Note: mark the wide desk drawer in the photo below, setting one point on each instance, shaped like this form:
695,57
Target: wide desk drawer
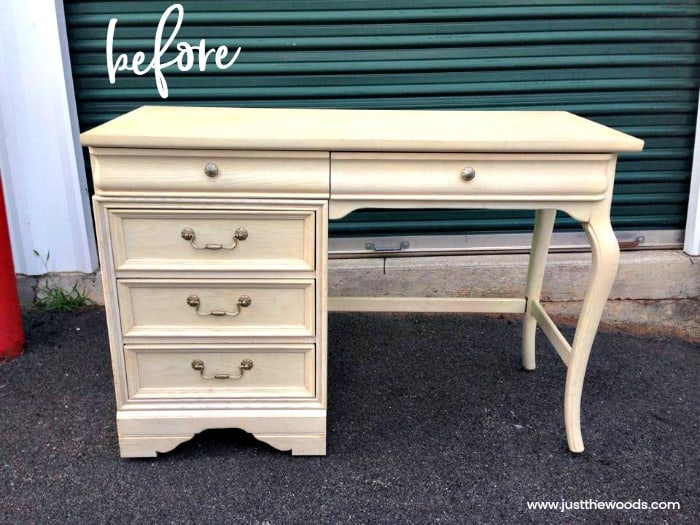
293,174
201,308
184,239
220,372
469,177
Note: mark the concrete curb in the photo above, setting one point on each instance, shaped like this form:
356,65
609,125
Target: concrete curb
657,289
642,275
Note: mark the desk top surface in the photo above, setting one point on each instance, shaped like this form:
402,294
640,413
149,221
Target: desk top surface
359,130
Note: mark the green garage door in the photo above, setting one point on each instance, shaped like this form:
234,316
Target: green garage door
632,65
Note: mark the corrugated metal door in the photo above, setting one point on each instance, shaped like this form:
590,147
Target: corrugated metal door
630,65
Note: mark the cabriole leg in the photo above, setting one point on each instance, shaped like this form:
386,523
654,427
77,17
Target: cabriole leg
606,255
544,222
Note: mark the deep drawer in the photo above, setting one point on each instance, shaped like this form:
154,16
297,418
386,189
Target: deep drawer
201,308
295,174
220,372
182,239
454,177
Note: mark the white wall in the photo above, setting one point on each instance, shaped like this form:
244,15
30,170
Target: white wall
42,167
692,225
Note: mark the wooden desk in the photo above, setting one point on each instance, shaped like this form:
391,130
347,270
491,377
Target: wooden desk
212,228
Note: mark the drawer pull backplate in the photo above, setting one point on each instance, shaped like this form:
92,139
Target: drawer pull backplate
246,364
243,302
187,233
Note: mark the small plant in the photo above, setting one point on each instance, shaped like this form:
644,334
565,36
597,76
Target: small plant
52,297
57,299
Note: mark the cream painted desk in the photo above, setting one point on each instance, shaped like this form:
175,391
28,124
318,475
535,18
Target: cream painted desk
212,230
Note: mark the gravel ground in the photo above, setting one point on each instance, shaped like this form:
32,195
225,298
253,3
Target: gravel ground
431,420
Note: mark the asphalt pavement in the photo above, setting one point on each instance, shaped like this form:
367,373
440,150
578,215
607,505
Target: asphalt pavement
431,419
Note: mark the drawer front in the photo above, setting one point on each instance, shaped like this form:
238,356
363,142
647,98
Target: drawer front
220,372
216,308
295,174
212,240
372,176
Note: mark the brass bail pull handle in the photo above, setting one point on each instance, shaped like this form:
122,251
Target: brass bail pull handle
198,365
241,234
244,301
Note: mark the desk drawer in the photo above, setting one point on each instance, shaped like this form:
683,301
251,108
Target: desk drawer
294,174
177,239
216,308
425,177
219,372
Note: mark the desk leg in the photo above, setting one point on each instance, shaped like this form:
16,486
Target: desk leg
544,222
606,255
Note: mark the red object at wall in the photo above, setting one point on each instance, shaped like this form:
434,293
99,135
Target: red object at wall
11,330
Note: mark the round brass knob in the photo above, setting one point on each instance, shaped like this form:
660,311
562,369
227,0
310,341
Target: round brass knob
468,173
211,170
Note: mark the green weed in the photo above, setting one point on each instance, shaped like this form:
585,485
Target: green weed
52,297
